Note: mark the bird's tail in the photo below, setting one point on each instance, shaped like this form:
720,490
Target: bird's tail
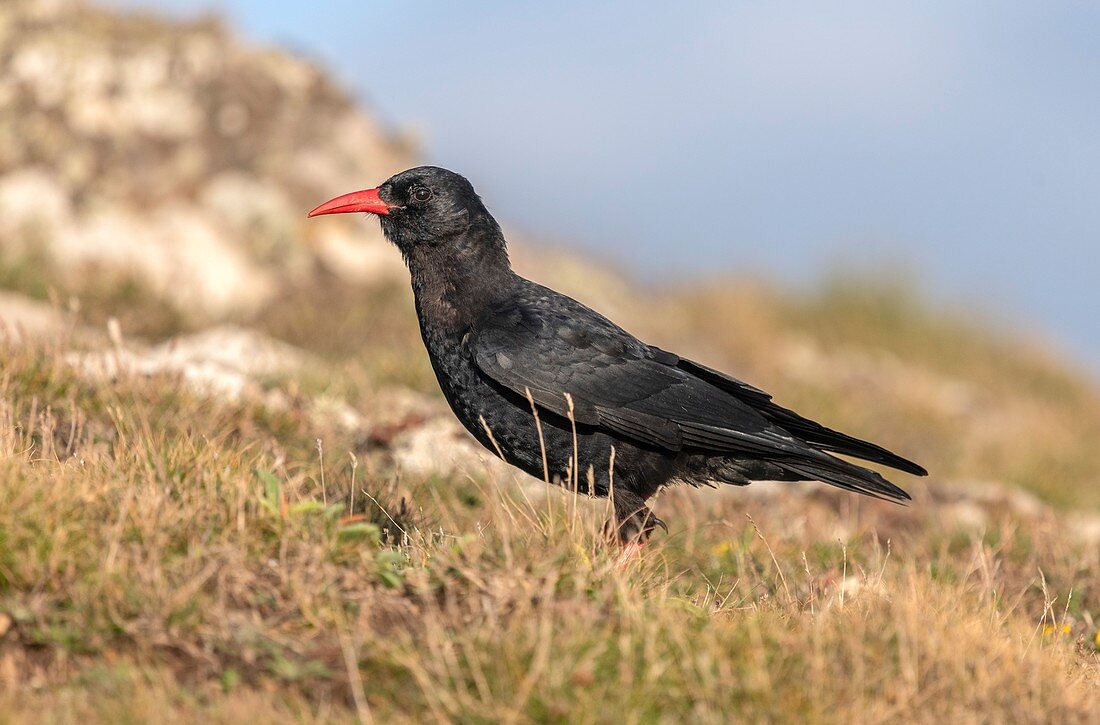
847,476
822,467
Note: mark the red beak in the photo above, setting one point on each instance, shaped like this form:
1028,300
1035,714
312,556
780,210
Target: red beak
367,201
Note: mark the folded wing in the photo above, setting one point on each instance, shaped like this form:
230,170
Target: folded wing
579,365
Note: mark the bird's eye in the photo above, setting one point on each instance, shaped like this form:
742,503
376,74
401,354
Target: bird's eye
422,193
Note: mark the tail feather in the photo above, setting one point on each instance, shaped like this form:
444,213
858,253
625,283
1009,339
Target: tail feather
809,431
827,439
849,477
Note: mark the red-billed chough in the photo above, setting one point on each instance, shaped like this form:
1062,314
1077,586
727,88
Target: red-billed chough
566,395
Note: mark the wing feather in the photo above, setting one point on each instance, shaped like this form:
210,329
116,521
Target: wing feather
812,432
577,364
617,383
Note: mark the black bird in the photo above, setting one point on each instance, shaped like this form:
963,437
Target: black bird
566,395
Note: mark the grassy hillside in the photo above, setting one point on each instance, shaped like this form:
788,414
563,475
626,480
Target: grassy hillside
168,547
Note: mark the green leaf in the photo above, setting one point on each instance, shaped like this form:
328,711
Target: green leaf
307,507
230,679
360,531
271,489
391,579
389,567
689,607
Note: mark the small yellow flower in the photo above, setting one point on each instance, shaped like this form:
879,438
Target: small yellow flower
1049,629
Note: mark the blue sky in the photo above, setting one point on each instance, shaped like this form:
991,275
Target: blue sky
961,139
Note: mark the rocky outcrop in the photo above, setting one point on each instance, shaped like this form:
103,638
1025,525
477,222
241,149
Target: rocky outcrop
174,153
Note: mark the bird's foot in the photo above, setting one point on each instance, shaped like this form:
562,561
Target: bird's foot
635,528
633,547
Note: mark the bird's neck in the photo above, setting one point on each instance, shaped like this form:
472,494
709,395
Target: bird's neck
456,280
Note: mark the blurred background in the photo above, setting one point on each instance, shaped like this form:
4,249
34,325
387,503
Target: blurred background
957,141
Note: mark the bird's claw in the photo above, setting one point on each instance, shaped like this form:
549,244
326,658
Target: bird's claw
655,522
636,528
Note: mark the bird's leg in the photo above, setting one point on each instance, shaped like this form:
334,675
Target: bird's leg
633,522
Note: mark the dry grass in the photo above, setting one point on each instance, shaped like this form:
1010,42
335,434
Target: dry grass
164,556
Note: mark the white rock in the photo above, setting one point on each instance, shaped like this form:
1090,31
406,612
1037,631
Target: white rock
441,445
364,256
32,198
22,317
227,361
244,203
175,251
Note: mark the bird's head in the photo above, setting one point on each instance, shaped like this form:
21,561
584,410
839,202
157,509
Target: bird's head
422,206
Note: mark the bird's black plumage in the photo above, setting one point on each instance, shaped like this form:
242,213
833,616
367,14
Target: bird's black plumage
564,394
